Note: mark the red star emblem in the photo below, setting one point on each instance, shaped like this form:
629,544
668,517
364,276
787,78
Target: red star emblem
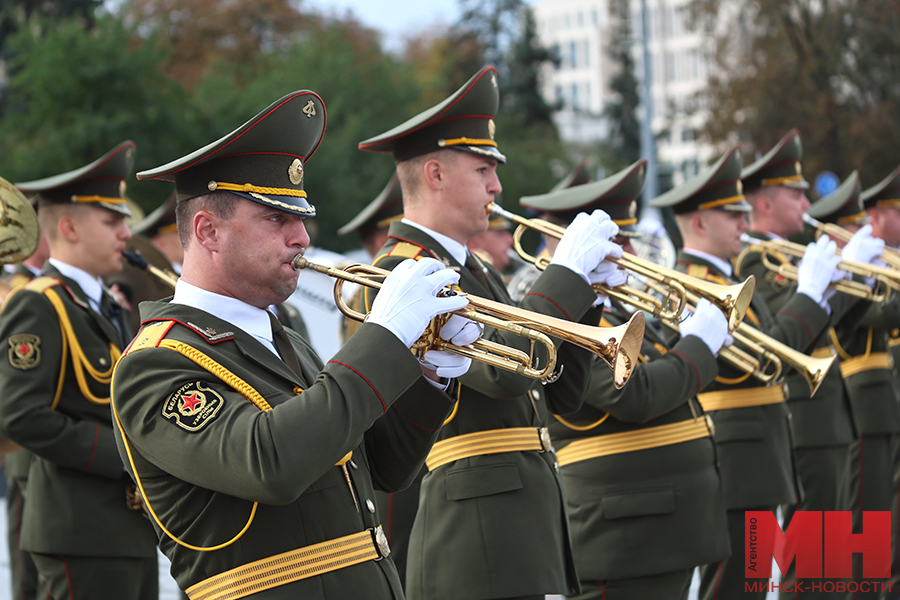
24,349
190,402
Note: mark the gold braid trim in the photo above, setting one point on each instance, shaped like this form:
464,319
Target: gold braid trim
464,141
249,187
721,202
103,199
780,180
79,360
581,427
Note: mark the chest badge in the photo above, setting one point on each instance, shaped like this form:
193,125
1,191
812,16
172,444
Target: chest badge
24,351
193,406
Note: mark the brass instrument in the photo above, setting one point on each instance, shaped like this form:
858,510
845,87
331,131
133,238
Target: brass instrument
836,232
887,280
137,260
20,233
774,353
619,347
733,300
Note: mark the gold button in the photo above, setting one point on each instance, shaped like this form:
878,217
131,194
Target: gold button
102,361
298,390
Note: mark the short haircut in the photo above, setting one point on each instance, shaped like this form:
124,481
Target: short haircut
220,203
409,172
50,214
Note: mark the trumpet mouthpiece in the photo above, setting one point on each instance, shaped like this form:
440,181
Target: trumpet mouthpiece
298,262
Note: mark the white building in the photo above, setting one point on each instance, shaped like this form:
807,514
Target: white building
580,31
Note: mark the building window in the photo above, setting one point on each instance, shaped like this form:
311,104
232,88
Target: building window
574,96
688,135
587,96
555,50
573,55
560,99
594,19
586,54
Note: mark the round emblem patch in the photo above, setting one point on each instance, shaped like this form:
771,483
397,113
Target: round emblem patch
295,172
492,128
24,351
193,406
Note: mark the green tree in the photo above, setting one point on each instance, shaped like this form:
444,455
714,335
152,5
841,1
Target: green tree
621,114
523,99
74,94
830,68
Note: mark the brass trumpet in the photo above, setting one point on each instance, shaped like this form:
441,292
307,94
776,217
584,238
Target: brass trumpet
733,300
137,260
836,232
887,280
619,346
773,353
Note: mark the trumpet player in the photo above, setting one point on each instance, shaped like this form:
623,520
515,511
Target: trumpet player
823,428
882,202
861,340
752,427
644,497
257,463
489,525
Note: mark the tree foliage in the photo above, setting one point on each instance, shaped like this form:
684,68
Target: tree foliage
621,114
831,68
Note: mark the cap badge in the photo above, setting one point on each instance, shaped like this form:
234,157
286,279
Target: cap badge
295,171
740,187
797,166
632,210
122,186
493,80
310,109
492,128
129,153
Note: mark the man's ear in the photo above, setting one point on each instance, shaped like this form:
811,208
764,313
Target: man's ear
205,227
68,228
698,223
764,205
433,173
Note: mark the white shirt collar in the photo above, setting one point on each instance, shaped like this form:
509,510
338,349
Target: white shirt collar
723,265
251,319
453,248
91,286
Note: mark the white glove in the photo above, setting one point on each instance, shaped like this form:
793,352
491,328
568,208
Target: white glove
816,269
459,331
586,243
708,323
608,274
406,302
862,247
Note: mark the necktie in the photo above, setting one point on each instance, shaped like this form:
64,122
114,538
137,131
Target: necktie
475,268
283,344
113,313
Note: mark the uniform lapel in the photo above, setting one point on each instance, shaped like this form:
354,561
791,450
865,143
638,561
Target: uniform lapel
262,356
109,330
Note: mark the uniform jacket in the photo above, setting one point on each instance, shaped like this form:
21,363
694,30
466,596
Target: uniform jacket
17,463
202,475
826,418
76,484
494,526
650,511
872,393
754,443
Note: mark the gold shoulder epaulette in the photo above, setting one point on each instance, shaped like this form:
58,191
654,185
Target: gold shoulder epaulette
18,280
150,336
405,250
42,284
697,271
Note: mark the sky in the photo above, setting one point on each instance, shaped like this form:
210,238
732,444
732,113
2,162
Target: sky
396,18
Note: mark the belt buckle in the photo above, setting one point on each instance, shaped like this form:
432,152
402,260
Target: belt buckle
546,443
381,543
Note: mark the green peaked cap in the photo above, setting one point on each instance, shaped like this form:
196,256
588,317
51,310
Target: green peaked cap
884,193
162,218
717,187
577,176
379,213
844,206
780,166
101,183
616,194
464,121
263,160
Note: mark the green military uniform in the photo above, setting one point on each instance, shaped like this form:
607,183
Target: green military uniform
752,422
644,497
276,466
886,193
54,390
499,516
16,464
861,340
824,432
